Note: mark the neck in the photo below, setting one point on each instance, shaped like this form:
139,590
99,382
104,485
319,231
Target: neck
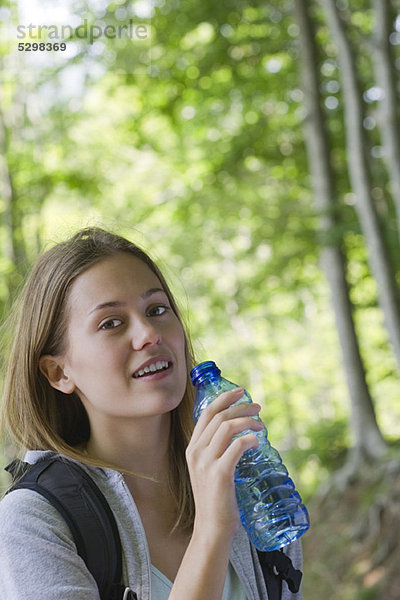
139,446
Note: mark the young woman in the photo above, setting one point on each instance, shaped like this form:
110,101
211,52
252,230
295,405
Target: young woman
99,373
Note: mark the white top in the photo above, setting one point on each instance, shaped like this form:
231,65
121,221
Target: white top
161,586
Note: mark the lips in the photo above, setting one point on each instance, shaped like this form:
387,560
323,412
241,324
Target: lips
153,365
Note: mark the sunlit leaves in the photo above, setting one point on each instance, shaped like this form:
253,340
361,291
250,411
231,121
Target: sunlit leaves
202,161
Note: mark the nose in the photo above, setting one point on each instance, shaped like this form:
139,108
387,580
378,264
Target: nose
144,333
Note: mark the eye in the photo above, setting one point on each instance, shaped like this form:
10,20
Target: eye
157,311
110,324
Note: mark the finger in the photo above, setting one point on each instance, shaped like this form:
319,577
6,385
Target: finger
213,420
223,401
235,451
223,437
229,419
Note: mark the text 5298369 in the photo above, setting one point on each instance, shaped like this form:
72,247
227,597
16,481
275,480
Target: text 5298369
41,47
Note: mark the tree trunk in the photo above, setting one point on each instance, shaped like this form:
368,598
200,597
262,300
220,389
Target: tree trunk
388,109
379,259
368,440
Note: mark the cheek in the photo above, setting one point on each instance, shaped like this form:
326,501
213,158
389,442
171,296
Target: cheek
172,331
86,358
182,356
181,343
177,340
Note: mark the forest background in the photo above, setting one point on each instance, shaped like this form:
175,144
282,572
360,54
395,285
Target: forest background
253,148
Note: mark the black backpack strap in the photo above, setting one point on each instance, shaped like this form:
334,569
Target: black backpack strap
276,567
87,513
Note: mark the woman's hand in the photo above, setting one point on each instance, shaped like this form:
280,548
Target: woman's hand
212,457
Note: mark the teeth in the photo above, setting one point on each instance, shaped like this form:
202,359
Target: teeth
157,366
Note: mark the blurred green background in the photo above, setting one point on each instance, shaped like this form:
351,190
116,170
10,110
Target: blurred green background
190,140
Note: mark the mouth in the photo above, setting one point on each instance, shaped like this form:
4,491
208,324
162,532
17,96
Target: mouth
154,367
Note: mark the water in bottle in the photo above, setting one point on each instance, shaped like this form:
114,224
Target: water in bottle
271,510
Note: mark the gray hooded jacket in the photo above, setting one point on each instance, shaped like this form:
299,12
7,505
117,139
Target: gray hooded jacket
38,557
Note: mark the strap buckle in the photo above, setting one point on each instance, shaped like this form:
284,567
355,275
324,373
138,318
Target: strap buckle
129,594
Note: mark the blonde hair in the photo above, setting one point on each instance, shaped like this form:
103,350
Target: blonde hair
41,418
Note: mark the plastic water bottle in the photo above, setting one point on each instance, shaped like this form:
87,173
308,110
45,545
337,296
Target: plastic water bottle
270,508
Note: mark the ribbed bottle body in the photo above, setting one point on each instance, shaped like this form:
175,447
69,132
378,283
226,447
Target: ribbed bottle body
271,510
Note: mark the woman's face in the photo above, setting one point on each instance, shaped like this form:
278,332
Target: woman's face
125,352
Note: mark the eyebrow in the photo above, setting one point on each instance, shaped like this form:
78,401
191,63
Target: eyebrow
117,303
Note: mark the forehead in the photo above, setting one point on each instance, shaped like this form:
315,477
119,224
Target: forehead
119,276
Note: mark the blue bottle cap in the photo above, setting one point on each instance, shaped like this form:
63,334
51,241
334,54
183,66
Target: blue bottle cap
204,370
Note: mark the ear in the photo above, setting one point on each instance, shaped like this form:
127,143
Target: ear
52,368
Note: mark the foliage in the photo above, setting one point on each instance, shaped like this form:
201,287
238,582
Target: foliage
200,158
203,161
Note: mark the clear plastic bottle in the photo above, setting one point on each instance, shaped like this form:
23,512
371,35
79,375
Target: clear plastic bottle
271,510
